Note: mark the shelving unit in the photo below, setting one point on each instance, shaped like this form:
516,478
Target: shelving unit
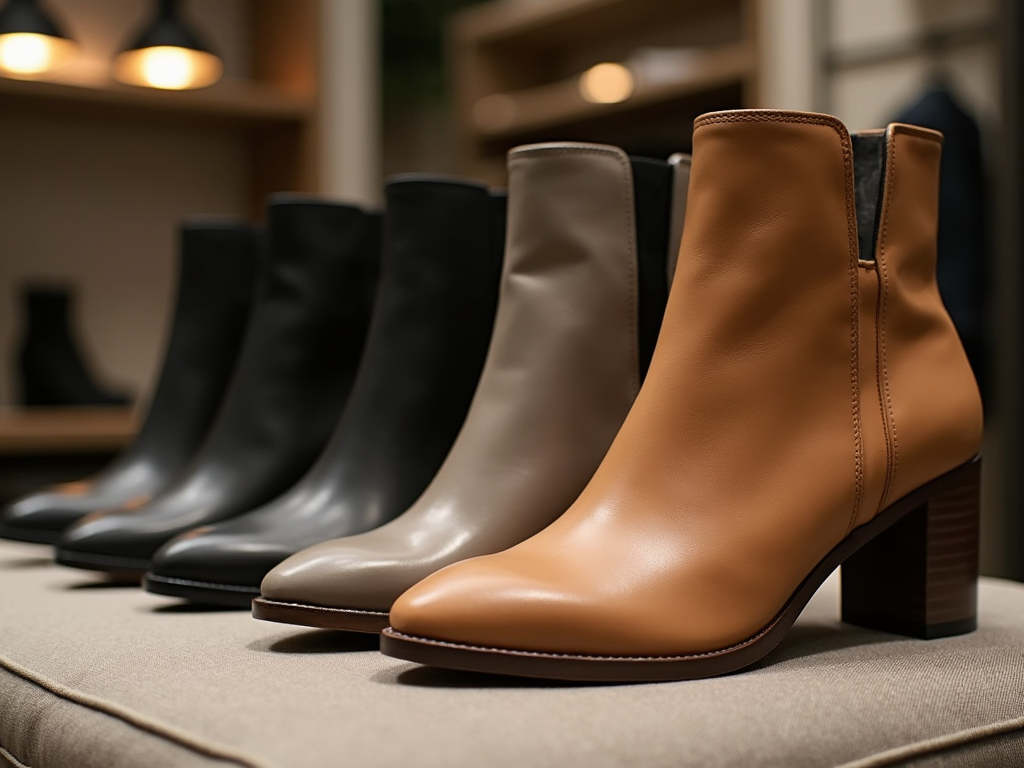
97,176
517,65
242,104
276,109
65,430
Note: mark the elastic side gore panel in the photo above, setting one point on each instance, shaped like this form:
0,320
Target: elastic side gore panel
868,178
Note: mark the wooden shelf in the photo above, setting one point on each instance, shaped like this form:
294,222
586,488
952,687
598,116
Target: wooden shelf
239,103
517,67
25,431
551,22
561,103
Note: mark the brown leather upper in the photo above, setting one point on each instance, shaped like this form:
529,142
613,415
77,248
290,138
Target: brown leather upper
775,412
561,374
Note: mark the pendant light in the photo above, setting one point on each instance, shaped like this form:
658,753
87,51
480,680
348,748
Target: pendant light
31,44
168,55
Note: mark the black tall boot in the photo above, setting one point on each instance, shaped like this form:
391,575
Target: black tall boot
296,368
216,286
53,370
443,242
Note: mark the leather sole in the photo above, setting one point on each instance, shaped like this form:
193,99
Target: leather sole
127,567
29,535
947,512
319,616
204,593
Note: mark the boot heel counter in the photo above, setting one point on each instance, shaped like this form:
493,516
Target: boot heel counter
931,401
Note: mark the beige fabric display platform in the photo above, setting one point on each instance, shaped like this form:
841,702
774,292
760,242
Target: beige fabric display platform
110,676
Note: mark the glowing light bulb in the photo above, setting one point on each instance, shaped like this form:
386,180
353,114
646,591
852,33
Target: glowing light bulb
25,53
606,83
28,53
168,67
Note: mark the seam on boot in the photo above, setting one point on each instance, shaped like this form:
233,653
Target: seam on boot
884,393
851,233
776,116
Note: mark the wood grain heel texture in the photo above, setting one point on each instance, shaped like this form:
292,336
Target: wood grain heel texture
919,578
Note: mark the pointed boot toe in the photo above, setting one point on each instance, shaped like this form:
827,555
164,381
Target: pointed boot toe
334,585
105,541
41,517
213,567
492,602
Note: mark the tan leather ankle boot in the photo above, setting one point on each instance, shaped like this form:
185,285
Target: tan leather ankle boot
805,401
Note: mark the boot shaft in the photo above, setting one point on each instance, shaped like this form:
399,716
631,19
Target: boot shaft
583,291
810,257
308,327
590,207
431,325
440,235
219,274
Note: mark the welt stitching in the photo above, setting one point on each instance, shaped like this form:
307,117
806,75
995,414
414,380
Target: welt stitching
772,116
324,608
884,391
588,656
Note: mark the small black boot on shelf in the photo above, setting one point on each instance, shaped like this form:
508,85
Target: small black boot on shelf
52,368
217,278
441,268
293,376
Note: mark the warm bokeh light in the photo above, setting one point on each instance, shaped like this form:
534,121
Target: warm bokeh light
606,83
24,54
168,67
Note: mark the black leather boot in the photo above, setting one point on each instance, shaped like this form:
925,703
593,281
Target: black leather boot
53,370
217,278
294,374
443,242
